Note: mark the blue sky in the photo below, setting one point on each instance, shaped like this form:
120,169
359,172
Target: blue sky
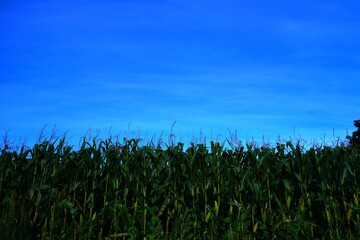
260,69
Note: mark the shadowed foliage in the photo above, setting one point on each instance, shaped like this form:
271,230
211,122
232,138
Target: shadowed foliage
355,138
113,190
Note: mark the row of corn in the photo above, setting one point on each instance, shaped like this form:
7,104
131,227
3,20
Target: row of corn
112,190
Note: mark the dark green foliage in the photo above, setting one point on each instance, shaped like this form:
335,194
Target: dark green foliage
109,190
355,138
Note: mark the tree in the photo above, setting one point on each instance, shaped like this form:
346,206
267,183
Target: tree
355,138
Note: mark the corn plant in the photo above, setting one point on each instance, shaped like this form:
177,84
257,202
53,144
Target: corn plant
129,190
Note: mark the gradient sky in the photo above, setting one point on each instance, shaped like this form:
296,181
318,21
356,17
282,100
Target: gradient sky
260,69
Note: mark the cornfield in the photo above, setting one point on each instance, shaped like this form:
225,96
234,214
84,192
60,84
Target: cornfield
112,190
